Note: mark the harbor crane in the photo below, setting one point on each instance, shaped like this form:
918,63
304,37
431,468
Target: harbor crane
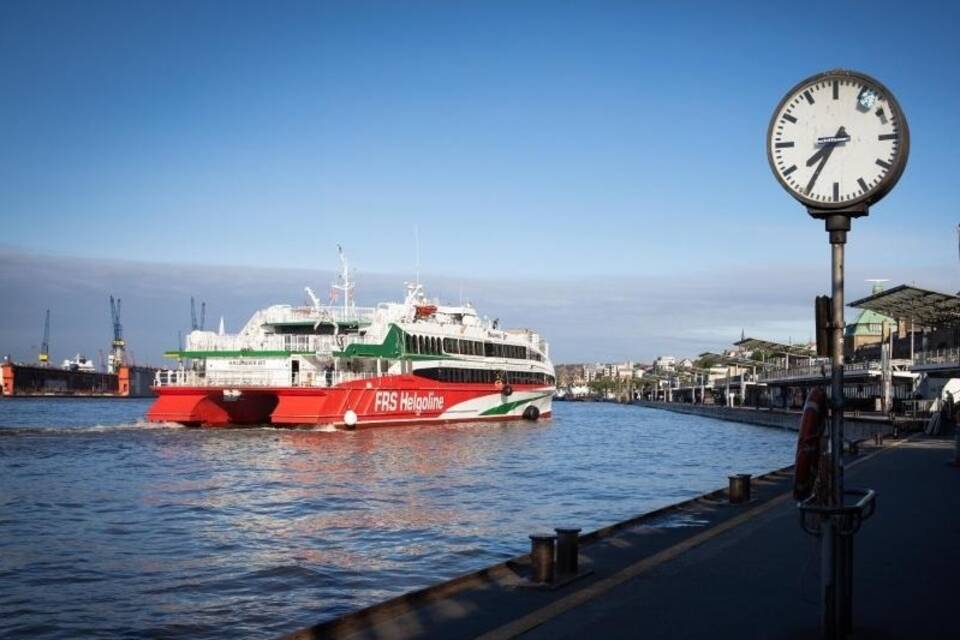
116,359
194,325
44,356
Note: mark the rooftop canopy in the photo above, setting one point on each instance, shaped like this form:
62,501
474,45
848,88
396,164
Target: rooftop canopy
719,358
923,306
755,344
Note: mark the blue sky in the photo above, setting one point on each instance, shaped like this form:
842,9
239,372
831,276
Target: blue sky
528,141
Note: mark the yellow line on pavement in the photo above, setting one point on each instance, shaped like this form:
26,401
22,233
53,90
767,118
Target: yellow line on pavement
588,593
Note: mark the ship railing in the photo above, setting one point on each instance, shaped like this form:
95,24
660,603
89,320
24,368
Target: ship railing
326,314
319,379
280,342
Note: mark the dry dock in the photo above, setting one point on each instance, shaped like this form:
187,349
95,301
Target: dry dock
21,380
705,568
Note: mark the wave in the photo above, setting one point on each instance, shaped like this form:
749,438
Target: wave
139,425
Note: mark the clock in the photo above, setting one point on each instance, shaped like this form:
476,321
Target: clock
838,142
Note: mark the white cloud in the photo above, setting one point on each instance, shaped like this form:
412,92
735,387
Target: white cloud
590,319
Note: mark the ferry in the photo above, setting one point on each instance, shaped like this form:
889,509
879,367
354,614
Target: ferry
345,366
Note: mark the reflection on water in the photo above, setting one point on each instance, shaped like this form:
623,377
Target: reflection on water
111,527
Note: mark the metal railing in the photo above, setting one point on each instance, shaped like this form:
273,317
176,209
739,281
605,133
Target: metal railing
937,356
322,379
307,343
279,342
823,370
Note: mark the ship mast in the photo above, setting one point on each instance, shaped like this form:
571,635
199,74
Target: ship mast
345,285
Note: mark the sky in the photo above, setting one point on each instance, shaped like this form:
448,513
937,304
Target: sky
595,170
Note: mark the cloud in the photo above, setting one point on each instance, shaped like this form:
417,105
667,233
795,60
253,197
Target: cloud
592,319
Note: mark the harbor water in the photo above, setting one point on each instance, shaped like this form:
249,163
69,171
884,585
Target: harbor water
111,527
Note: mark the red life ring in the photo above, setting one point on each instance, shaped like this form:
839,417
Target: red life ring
808,443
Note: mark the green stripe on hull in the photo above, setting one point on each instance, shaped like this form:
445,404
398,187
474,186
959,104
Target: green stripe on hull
507,407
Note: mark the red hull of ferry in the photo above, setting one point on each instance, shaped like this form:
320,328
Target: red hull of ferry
383,401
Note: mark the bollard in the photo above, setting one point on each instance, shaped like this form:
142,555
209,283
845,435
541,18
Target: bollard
740,488
541,557
568,551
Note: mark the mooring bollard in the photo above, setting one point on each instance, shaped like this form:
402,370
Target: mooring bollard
568,551
541,557
740,488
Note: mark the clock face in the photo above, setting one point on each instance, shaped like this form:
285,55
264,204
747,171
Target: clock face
837,140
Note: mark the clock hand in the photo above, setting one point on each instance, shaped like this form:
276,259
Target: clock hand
816,174
840,137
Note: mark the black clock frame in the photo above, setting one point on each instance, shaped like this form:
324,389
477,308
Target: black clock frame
860,206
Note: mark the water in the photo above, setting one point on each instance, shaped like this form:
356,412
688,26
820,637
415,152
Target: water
110,527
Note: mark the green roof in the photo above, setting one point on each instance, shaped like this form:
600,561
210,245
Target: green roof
869,323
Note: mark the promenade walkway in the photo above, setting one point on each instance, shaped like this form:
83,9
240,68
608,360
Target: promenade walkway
715,570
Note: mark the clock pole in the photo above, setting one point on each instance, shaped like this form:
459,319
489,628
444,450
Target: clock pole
836,558
837,224
873,132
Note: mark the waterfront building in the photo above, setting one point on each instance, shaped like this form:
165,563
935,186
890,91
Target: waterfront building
665,364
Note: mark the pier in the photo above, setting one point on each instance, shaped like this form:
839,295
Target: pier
709,568
857,427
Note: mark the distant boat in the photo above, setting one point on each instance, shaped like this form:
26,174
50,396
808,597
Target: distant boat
79,363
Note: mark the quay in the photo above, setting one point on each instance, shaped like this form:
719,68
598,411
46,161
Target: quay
901,370
856,427
709,568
